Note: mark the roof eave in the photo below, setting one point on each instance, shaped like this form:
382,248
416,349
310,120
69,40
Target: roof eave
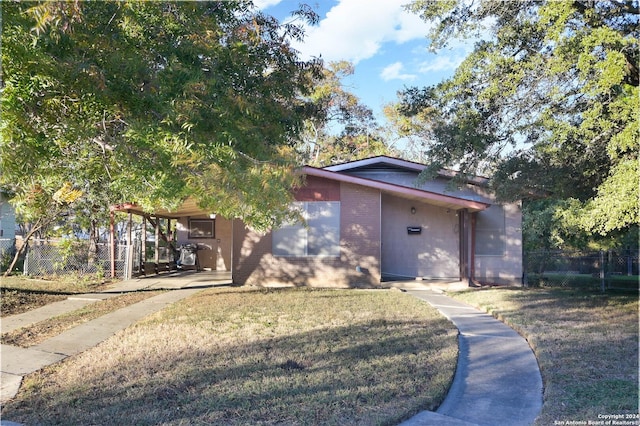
403,191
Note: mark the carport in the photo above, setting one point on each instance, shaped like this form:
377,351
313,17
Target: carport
168,230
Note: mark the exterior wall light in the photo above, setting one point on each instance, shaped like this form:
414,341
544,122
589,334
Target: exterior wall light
413,210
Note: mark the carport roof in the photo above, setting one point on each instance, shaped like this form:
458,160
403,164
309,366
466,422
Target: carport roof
189,207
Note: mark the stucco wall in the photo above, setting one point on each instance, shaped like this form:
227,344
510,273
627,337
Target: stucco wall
437,260
214,253
505,269
434,253
359,260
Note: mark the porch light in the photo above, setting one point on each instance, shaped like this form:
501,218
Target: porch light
413,210
212,216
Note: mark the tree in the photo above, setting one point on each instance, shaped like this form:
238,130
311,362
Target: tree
153,102
342,128
547,102
40,206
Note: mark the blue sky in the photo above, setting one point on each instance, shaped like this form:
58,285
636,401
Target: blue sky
387,45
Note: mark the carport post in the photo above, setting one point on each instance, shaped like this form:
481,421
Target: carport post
129,269
112,240
143,246
156,258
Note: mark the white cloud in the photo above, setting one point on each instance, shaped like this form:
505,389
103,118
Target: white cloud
355,30
441,63
263,4
393,72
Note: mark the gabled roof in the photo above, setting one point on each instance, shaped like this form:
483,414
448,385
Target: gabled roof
385,162
339,173
429,197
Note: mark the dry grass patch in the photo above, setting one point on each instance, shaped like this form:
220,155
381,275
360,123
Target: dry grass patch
41,331
242,356
586,344
21,294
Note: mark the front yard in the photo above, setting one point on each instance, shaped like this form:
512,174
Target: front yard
247,356
586,344
254,356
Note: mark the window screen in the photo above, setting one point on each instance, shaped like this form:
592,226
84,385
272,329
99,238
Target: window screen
320,236
490,232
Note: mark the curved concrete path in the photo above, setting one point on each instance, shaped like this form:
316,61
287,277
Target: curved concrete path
497,380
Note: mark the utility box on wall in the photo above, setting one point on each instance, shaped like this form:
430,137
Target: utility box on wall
414,230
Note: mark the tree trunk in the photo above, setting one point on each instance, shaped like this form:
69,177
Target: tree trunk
94,238
23,247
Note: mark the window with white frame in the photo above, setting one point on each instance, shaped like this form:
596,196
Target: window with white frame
320,236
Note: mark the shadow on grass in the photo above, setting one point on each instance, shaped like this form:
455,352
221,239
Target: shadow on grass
379,372
38,292
586,343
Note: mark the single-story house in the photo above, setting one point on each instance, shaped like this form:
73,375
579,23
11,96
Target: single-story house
367,221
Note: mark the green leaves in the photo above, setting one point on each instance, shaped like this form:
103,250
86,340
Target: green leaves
137,101
547,101
340,128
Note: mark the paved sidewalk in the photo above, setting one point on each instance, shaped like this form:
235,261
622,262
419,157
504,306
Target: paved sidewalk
497,380
17,362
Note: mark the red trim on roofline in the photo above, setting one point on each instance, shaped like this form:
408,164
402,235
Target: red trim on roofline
434,197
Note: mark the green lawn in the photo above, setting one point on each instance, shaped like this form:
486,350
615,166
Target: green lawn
247,356
586,344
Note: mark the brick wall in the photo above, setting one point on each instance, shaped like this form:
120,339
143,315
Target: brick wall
360,234
357,265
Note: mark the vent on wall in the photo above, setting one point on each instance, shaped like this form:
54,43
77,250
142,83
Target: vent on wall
414,230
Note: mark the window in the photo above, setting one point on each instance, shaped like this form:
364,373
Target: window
490,232
202,228
320,236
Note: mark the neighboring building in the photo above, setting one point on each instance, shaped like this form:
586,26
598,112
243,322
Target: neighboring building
7,219
7,229
368,222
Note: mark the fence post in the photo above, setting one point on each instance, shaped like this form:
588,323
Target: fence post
525,275
602,270
25,265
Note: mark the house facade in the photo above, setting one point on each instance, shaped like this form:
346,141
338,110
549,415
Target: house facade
366,221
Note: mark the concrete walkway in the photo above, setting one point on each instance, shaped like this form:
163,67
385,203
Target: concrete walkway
17,362
497,380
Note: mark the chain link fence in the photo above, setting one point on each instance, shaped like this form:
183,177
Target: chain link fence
80,257
166,258
598,270
7,251
590,270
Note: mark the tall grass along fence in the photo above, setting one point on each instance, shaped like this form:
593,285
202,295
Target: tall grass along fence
69,256
47,257
7,251
599,270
